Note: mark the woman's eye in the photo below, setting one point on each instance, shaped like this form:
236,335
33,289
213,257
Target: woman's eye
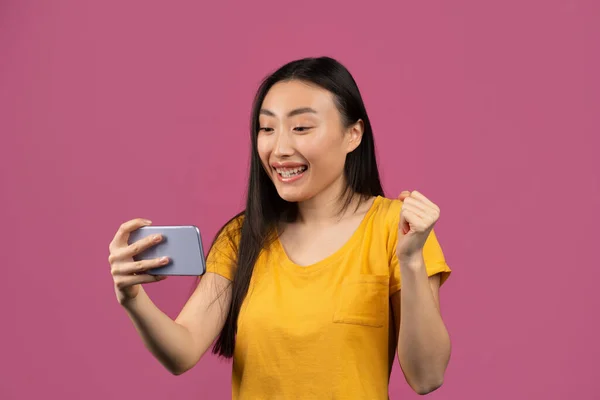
265,129
301,128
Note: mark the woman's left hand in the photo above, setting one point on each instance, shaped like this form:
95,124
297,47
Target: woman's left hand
417,218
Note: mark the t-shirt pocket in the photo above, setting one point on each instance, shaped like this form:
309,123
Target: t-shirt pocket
363,300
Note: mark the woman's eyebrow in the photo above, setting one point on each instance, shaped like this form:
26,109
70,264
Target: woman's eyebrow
292,113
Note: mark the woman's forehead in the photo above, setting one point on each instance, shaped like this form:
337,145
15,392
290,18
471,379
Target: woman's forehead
285,97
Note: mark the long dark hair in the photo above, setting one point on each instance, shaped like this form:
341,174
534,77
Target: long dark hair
264,208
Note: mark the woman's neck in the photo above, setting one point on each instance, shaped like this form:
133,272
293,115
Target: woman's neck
327,207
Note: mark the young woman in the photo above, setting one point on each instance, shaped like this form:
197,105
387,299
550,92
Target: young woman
316,285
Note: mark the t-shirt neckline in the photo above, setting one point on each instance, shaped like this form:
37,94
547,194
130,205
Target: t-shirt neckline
348,245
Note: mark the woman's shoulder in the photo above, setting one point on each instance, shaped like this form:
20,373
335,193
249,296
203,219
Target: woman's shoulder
225,243
231,230
387,209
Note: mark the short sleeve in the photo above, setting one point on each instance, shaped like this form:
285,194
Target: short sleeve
435,262
222,255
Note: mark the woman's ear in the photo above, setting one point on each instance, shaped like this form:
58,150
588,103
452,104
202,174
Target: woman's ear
354,134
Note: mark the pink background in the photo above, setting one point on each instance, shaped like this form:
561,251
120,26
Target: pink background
111,110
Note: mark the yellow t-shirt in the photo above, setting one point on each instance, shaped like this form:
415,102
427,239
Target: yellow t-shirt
322,331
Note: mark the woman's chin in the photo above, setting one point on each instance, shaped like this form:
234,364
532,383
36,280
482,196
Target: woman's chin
292,195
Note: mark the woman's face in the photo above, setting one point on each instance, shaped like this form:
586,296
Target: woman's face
302,142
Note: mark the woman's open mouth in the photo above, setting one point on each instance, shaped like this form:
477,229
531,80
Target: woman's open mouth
287,174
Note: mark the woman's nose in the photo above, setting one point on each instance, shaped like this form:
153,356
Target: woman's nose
283,145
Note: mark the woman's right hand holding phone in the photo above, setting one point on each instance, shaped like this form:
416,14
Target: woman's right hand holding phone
129,274
177,343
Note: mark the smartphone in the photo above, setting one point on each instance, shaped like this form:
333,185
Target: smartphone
182,244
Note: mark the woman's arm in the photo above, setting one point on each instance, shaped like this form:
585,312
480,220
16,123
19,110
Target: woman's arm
178,345
423,341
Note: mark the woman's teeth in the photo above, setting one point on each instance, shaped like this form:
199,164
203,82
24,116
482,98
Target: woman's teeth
289,172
